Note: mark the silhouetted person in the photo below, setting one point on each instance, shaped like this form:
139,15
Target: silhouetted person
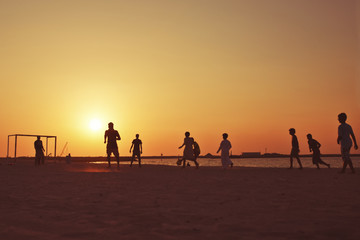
68,158
137,151
344,133
294,149
314,147
111,147
225,147
39,152
188,150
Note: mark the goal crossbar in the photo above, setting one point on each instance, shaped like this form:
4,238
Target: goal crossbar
30,135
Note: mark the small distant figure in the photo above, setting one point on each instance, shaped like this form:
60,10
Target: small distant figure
137,151
39,152
225,147
112,136
68,158
294,149
314,147
188,150
344,133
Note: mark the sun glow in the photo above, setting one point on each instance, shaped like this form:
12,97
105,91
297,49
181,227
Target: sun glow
95,124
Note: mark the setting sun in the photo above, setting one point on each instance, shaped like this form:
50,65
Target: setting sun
95,124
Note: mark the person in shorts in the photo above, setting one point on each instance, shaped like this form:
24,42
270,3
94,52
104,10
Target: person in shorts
39,152
294,149
344,133
111,135
314,147
188,153
137,150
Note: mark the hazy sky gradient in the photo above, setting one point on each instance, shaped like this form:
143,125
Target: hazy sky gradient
160,68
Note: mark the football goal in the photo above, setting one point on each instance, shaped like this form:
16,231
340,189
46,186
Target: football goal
27,135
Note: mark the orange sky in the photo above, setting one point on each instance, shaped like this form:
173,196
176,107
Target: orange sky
252,69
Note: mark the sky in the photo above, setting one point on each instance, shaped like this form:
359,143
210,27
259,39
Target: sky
252,69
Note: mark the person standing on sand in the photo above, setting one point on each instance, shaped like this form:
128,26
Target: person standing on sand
225,147
111,147
344,133
294,149
188,150
39,152
314,146
137,151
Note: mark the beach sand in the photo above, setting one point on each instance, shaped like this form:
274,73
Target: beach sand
88,201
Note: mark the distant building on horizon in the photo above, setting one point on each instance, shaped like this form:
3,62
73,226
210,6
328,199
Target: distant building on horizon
209,155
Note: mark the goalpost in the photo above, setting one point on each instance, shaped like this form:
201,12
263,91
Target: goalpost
27,135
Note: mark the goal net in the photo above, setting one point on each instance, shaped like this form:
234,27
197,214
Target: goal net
16,136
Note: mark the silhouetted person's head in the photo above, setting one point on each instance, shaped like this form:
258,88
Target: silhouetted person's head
291,131
342,117
137,135
111,125
187,134
38,137
309,136
225,136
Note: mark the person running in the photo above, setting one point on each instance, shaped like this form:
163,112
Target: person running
112,136
314,146
137,151
39,152
294,149
225,147
188,150
344,133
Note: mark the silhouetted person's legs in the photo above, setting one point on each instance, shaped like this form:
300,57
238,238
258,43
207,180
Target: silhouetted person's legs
324,163
344,166
188,164
351,166
345,153
348,162
196,163
299,162
295,154
317,160
139,158
117,159
109,158
39,158
132,159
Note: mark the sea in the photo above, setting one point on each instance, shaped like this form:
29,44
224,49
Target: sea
335,162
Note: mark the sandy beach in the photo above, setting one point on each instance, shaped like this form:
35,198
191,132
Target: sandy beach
88,201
